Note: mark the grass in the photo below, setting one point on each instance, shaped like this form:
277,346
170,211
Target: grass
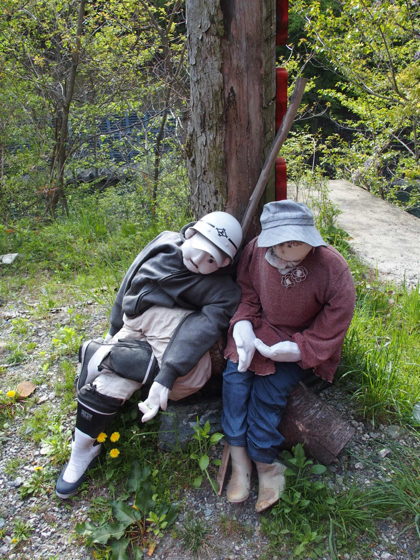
195,535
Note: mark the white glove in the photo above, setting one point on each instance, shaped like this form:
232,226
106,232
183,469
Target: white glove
244,336
281,352
108,337
158,397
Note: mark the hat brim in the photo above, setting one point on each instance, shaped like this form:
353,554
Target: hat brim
280,234
198,241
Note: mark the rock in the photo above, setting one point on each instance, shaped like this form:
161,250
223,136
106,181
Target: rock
384,452
177,427
18,482
393,431
8,258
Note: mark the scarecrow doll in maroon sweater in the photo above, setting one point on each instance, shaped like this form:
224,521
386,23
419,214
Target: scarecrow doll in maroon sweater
297,303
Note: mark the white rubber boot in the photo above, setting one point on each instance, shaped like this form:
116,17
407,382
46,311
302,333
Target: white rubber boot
240,483
271,483
84,451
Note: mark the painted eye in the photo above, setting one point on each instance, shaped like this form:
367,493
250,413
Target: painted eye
211,261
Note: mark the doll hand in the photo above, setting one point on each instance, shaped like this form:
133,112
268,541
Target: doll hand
158,397
281,352
244,336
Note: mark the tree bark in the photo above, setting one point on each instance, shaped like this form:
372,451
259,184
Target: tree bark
231,47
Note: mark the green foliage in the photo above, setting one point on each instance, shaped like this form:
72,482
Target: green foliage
310,515
201,455
398,495
136,526
105,69
380,352
194,535
56,444
373,49
39,483
9,406
64,384
67,342
22,531
35,425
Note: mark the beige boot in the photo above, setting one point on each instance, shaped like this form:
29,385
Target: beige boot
240,484
271,483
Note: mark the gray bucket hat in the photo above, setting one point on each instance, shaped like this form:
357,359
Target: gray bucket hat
287,220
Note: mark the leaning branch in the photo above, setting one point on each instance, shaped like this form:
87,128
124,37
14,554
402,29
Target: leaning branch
271,158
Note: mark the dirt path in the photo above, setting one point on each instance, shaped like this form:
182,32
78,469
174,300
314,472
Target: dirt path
384,236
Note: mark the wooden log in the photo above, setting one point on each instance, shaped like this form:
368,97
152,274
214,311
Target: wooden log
315,424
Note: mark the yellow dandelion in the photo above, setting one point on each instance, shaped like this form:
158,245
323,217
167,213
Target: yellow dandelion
11,394
114,453
37,468
102,437
115,437
14,540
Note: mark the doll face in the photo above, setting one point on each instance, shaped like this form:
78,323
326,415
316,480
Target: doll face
197,260
292,250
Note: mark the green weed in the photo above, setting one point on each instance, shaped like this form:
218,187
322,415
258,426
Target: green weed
21,326
137,522
39,483
67,342
35,426
12,466
398,496
380,352
310,515
9,406
57,443
194,536
16,353
201,455
21,532
64,384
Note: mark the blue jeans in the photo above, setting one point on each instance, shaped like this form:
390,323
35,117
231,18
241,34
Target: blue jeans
253,406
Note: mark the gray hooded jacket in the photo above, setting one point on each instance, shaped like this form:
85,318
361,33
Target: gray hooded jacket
158,276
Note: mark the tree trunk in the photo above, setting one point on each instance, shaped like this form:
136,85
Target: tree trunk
60,148
231,47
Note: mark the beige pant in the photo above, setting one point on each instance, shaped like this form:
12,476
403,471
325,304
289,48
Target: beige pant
156,326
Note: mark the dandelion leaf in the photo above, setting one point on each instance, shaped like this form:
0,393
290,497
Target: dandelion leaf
124,513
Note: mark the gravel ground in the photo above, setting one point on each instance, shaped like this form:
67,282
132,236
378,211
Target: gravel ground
53,520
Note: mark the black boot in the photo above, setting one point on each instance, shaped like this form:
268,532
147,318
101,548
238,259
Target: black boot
94,414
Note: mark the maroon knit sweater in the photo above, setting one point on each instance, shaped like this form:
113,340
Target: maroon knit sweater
312,306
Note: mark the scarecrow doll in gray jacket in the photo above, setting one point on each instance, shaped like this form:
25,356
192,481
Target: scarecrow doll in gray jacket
297,303
174,303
